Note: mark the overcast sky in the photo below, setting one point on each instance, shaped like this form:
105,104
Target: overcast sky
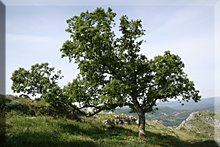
35,34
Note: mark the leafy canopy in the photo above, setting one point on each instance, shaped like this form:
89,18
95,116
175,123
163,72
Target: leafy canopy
113,72
38,80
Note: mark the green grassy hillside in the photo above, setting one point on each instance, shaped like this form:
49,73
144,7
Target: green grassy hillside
48,131
34,129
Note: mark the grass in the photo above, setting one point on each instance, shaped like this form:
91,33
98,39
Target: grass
23,130
48,131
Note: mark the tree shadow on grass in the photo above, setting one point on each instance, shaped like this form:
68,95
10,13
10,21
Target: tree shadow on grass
90,133
207,143
41,139
165,140
99,132
119,133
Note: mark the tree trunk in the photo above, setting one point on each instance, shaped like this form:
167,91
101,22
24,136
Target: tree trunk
141,125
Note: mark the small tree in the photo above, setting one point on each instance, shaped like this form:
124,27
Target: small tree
40,79
113,72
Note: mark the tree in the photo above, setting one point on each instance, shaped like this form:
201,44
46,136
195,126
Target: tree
38,80
41,79
114,73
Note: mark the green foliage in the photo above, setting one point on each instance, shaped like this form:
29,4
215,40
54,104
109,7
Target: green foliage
112,70
171,79
38,107
40,79
23,106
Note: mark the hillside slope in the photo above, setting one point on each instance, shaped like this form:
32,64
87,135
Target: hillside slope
48,131
202,123
35,129
206,124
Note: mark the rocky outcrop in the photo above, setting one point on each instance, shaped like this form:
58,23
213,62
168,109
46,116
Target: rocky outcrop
201,123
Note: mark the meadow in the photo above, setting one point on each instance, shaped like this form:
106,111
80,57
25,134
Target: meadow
44,130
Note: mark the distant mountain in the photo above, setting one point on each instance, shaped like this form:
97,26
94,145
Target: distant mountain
217,104
204,104
173,113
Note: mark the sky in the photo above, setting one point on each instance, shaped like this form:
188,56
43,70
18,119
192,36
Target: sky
35,34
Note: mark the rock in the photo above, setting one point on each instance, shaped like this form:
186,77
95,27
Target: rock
120,120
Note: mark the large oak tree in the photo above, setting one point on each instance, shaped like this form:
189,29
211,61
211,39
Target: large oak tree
113,72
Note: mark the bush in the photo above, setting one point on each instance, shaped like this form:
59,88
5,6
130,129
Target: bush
37,107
